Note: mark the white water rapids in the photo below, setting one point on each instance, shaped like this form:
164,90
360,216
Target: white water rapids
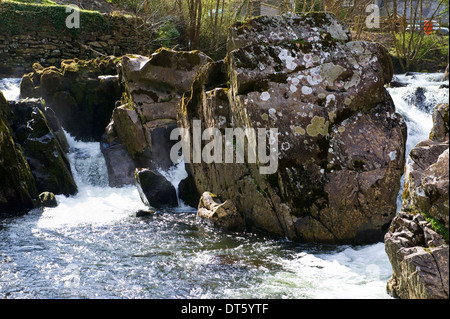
91,246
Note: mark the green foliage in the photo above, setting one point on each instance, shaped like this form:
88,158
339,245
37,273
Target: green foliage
309,6
428,43
167,35
438,226
415,48
45,2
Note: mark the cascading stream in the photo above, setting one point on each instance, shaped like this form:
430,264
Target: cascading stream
91,246
10,88
175,175
95,201
415,103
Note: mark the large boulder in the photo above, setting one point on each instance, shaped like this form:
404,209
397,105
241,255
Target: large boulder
417,240
43,148
147,113
154,189
81,93
17,185
341,146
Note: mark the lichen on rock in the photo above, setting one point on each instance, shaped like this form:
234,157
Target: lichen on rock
303,75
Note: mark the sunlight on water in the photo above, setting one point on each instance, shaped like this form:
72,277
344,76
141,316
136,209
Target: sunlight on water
91,246
417,106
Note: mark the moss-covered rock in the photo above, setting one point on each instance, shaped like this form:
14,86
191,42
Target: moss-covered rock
81,93
147,113
17,185
427,175
419,257
42,147
48,199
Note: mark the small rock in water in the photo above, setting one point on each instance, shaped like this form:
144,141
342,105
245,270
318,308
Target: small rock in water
48,199
397,84
144,213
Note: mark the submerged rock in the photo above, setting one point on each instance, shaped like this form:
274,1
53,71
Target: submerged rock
48,199
144,213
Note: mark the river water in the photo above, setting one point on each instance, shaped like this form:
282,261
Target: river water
92,246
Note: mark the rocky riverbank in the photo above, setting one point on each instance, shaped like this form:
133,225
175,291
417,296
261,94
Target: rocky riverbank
32,157
340,145
417,240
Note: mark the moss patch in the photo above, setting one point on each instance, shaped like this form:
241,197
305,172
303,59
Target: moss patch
21,18
437,226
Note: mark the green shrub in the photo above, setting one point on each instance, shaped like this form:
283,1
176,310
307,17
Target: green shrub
167,35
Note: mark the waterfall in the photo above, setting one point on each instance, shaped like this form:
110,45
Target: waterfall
416,102
10,88
88,247
95,202
175,175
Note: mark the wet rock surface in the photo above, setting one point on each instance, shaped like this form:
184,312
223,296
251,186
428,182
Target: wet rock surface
154,189
340,144
33,155
221,215
44,148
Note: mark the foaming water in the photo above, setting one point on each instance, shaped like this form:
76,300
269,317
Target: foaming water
91,246
10,88
95,202
416,103
175,175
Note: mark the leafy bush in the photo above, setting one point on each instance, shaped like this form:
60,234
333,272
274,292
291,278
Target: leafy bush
167,35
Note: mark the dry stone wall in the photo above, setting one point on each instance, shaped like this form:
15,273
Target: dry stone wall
41,36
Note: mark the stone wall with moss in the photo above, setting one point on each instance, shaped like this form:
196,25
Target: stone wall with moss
32,33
